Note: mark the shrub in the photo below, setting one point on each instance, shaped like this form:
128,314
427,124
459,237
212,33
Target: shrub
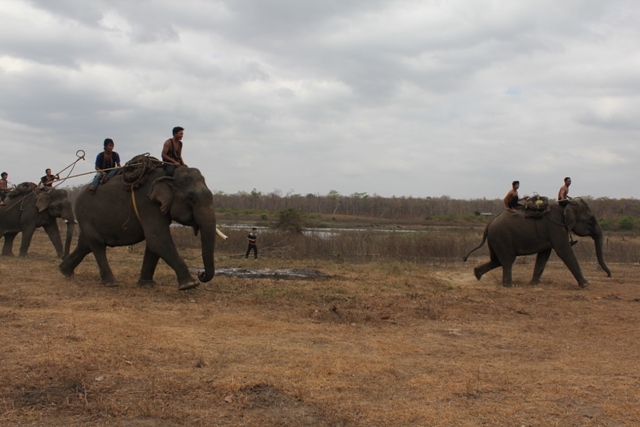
625,223
290,220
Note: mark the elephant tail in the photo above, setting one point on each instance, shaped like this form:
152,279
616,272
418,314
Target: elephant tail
484,239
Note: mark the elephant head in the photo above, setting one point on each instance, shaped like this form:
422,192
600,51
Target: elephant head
186,199
57,205
580,221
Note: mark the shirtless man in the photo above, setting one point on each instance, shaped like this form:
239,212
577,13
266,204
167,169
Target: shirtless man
172,151
511,199
563,194
4,187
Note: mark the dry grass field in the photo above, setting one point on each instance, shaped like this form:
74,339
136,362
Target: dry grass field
377,344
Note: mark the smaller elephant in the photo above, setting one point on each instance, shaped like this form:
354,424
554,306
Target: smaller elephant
26,209
511,234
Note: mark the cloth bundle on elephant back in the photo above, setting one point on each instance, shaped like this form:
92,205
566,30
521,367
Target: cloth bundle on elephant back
108,219
536,207
510,236
27,208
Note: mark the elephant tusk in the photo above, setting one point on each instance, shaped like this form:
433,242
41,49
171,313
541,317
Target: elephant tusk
222,236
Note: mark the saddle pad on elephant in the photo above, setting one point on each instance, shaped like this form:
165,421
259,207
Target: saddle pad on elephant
536,206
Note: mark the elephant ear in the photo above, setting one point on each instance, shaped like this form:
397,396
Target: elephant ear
162,192
570,218
42,201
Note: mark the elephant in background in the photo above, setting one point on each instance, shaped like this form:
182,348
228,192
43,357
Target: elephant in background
26,209
512,234
115,217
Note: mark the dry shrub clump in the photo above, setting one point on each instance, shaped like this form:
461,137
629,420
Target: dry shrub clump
386,343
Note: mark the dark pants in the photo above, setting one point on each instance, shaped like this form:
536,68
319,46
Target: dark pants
169,169
3,194
255,251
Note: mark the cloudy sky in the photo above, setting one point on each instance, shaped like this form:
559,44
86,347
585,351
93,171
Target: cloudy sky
389,97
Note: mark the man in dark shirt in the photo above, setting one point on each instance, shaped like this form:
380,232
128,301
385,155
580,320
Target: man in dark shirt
107,165
251,238
172,151
47,180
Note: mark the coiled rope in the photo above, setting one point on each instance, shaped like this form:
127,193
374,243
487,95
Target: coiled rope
135,170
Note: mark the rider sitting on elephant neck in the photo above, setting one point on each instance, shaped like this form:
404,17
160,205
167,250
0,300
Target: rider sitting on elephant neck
172,151
511,199
563,194
106,163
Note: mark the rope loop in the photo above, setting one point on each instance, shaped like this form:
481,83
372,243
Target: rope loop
135,170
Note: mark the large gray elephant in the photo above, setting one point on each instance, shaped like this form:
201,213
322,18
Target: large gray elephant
26,209
111,218
512,234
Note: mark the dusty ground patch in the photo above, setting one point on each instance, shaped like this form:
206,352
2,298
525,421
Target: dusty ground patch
387,344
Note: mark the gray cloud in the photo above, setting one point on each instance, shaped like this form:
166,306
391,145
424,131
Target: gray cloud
389,97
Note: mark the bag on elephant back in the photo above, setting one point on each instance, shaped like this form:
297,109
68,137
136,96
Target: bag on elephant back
536,206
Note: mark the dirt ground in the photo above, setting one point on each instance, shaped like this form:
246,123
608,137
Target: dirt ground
381,344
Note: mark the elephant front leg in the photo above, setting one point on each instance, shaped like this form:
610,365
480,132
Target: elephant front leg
541,263
165,249
7,249
149,264
54,235
566,254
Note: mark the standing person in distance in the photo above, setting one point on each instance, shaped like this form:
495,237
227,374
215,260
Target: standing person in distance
253,246
172,151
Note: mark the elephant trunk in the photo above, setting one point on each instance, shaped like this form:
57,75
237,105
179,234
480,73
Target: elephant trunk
599,241
207,225
71,223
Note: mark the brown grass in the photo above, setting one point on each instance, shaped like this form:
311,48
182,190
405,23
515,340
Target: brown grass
378,344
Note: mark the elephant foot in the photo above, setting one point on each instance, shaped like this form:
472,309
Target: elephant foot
476,272
534,282
584,284
507,284
8,254
147,283
188,285
110,283
65,272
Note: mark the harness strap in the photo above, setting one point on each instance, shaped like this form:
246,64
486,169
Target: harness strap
135,206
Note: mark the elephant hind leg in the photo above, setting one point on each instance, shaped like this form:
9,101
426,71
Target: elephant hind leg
106,275
7,249
541,263
71,261
149,264
480,270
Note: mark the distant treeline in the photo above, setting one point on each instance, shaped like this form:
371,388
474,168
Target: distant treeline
399,208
